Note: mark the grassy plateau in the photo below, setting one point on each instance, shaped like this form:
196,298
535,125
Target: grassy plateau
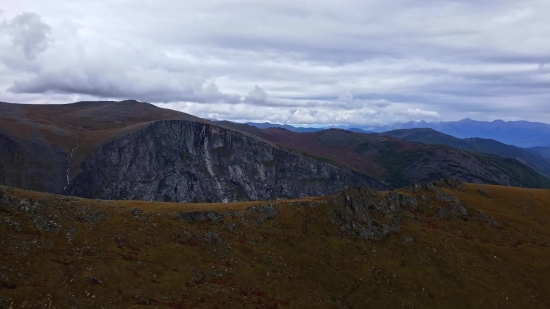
63,252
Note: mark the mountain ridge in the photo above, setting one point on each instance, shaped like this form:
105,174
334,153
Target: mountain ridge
81,131
521,133
204,163
480,145
518,133
398,162
90,148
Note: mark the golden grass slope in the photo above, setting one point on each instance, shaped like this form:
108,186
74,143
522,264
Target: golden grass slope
60,252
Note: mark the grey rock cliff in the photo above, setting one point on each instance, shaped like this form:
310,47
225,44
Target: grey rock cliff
183,161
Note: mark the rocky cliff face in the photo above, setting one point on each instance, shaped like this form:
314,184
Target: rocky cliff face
184,161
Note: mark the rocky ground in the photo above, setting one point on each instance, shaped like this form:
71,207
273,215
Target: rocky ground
443,244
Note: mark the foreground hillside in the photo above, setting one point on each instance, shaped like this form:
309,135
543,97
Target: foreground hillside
442,245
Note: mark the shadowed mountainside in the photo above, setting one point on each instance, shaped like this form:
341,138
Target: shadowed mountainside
481,145
541,151
133,150
399,162
441,245
39,141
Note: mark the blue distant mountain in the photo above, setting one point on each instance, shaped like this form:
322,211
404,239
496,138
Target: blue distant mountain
542,151
533,157
518,133
265,125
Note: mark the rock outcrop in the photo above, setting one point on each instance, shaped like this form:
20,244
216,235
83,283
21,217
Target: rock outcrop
370,215
184,161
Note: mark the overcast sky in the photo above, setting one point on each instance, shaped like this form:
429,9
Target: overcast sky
298,62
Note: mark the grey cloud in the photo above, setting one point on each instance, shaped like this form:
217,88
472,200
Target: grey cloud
451,59
29,34
382,104
164,89
257,96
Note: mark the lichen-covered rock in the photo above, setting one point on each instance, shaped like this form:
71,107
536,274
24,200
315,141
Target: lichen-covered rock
397,201
458,210
373,232
212,237
358,201
442,213
484,193
139,214
431,187
45,224
446,197
450,183
13,224
358,212
408,240
201,216
489,219
89,215
266,212
441,195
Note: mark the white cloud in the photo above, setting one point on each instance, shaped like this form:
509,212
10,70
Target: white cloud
417,114
306,61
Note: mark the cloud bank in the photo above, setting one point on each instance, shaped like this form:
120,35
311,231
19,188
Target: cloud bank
299,62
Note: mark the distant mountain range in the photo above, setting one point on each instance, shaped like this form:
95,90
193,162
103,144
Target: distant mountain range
398,162
518,133
135,150
267,125
531,157
542,151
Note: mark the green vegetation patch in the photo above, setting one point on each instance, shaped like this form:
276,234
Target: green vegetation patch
4,212
186,156
318,158
270,163
222,151
525,175
395,162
